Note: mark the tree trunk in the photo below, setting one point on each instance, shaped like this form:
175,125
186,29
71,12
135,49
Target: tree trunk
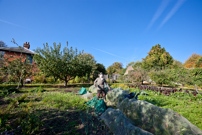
22,83
66,83
142,82
88,76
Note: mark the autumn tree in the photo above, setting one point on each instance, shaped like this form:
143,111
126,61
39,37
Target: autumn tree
157,59
65,64
192,61
117,65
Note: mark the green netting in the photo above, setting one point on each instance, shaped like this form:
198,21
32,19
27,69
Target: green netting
83,91
98,105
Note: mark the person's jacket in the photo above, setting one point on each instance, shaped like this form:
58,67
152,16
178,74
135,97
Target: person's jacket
100,83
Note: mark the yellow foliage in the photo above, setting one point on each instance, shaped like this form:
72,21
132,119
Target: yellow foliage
123,86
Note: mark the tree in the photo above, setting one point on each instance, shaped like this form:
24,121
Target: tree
157,59
117,65
181,76
3,44
196,73
139,75
111,70
137,64
88,64
114,68
121,71
177,64
192,60
65,65
198,63
17,69
99,68
130,64
160,77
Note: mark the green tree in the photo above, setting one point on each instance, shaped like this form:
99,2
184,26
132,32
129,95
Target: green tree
181,76
197,76
160,77
65,65
115,68
137,64
88,64
157,59
121,71
16,68
177,64
198,63
111,70
130,64
99,68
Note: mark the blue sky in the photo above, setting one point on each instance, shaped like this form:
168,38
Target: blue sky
111,30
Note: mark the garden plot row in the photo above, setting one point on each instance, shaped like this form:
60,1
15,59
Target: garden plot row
161,90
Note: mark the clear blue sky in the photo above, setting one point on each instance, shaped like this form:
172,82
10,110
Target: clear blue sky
111,30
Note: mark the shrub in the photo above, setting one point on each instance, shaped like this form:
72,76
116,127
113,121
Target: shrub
39,79
77,79
50,79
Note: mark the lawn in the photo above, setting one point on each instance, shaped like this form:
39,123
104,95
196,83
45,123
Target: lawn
54,109
45,109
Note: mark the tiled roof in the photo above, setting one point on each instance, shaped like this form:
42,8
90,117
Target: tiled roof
17,49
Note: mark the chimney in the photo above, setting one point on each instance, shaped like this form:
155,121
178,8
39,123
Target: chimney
26,45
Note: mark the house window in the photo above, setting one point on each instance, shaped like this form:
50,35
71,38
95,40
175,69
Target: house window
30,58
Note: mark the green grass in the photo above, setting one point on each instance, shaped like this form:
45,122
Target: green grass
64,101
44,109
185,104
26,107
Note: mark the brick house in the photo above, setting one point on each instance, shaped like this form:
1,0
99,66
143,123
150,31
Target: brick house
17,52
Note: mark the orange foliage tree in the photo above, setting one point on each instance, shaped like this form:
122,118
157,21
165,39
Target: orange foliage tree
192,60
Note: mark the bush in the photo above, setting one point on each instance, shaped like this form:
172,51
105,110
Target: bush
77,79
50,79
160,77
39,79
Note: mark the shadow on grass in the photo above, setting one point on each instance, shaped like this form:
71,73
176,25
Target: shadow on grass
55,121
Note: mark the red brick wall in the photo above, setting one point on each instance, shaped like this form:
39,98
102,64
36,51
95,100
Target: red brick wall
18,55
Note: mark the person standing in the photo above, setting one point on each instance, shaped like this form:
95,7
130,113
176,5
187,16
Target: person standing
99,83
